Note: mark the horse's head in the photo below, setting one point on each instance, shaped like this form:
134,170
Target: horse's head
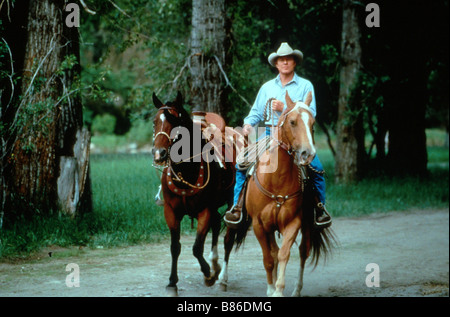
169,117
296,129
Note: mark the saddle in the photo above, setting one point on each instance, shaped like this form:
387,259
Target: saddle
226,141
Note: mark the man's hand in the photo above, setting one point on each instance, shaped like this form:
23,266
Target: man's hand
277,105
247,129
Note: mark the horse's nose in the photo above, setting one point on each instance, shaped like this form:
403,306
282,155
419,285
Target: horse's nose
159,155
306,155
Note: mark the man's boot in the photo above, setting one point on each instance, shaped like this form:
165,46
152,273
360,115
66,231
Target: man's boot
234,214
322,218
233,217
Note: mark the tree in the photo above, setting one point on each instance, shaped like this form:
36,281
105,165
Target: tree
349,126
45,156
406,94
208,55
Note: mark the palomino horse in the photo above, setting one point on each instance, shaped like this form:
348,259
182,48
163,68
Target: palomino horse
193,184
276,200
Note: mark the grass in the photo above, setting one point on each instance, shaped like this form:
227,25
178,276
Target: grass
124,213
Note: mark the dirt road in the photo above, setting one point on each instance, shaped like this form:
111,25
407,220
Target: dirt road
411,250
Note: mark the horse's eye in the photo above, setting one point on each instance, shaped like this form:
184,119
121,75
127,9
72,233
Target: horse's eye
292,123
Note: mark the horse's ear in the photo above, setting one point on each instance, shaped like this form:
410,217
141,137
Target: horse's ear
178,103
290,104
308,99
158,104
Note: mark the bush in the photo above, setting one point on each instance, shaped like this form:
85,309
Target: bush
103,124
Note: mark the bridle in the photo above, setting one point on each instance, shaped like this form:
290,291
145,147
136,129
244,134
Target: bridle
163,133
177,177
285,146
302,173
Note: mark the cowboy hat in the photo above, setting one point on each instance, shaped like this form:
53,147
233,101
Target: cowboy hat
285,50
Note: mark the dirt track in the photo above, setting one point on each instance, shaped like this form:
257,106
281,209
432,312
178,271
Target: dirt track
411,250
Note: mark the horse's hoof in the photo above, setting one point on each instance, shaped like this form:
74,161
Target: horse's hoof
270,290
223,287
277,294
172,291
296,293
217,269
209,281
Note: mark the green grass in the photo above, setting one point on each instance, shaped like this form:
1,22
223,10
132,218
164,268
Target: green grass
123,187
383,194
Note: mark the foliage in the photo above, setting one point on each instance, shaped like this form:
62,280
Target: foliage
140,46
103,124
143,47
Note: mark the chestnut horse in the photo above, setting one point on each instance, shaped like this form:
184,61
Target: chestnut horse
193,184
277,198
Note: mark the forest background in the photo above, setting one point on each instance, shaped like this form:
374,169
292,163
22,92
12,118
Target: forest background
395,111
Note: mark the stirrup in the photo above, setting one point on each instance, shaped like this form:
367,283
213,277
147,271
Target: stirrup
233,224
322,225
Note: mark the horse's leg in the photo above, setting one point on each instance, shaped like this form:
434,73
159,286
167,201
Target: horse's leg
214,254
274,252
175,249
269,262
289,235
203,225
304,249
228,245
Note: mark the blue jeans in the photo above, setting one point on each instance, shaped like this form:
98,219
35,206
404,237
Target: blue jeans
317,179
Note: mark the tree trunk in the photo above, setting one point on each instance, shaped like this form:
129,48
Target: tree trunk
406,93
47,120
349,114
208,55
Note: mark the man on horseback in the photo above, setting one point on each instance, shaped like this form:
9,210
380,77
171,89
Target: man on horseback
285,60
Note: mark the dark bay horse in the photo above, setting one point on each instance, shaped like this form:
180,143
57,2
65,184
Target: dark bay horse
277,198
192,183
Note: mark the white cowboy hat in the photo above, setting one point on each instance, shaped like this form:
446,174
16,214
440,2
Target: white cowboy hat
285,50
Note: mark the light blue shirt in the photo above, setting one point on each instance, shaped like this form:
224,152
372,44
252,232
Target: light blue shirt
297,88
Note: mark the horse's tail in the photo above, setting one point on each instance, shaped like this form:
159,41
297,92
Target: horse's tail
241,231
322,240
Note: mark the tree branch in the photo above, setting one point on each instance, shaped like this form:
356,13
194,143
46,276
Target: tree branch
12,73
87,9
228,81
